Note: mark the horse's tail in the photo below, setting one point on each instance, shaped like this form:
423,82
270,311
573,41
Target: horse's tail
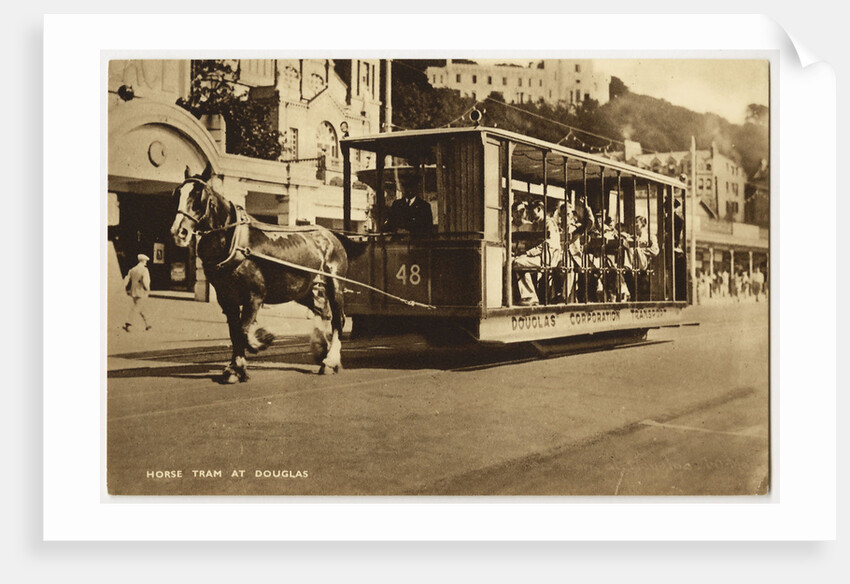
353,248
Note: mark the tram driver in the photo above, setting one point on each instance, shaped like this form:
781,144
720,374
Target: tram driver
411,213
546,254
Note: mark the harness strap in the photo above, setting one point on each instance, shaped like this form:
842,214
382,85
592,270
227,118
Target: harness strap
248,253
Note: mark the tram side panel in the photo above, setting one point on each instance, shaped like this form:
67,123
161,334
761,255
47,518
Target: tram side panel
443,278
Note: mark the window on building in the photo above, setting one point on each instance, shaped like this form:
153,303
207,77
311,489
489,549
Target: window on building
475,78
489,80
290,144
326,141
550,94
504,80
701,183
586,96
520,81
290,77
727,186
317,84
541,83
578,81
578,68
457,77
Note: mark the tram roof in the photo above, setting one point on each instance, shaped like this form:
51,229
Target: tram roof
526,165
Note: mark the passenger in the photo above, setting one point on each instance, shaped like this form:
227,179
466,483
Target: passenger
576,221
612,280
638,258
519,217
411,214
546,254
520,223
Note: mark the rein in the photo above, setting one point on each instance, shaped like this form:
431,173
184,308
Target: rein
245,219
248,253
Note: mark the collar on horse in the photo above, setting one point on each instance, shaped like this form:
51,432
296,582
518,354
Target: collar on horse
238,220
238,241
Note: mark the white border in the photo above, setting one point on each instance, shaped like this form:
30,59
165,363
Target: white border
805,162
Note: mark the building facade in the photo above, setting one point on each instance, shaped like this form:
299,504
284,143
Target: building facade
151,141
570,82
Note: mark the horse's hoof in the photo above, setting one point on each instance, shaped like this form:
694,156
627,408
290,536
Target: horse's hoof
329,369
264,337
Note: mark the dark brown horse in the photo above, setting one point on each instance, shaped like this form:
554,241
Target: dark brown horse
251,263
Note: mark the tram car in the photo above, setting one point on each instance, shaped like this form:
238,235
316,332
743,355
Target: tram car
505,238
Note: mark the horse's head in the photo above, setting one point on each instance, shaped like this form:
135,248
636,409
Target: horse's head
193,205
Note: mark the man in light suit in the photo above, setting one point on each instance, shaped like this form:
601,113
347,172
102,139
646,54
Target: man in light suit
137,283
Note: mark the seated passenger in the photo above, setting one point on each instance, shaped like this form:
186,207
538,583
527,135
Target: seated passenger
410,214
520,223
577,221
638,258
546,254
519,217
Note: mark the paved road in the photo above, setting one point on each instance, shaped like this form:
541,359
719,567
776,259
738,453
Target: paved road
683,414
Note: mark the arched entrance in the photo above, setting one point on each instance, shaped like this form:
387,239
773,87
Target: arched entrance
150,146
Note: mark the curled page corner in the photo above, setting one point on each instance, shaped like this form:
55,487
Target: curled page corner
806,56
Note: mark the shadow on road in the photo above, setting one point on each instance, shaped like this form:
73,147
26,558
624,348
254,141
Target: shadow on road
385,353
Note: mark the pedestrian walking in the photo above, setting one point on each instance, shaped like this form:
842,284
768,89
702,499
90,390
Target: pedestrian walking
757,283
137,283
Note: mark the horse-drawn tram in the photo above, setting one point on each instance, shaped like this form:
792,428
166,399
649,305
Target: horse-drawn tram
512,239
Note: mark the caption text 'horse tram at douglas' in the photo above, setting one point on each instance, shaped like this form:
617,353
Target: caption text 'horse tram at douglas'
513,239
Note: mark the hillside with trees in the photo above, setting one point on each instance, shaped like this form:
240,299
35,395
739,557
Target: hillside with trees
656,124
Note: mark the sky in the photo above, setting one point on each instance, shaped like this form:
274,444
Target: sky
723,87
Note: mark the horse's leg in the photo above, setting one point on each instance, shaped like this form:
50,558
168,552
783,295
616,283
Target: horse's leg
256,338
320,337
332,363
235,371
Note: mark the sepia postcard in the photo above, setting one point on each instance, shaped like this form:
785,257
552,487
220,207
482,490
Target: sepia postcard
373,276
423,293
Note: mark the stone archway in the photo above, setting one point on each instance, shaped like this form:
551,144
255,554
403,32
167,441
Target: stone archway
150,145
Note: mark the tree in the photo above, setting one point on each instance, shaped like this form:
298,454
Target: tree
617,88
758,114
251,123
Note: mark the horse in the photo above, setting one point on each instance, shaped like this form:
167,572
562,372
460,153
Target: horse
250,263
